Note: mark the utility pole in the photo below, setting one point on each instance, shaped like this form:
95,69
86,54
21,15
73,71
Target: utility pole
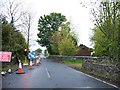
28,39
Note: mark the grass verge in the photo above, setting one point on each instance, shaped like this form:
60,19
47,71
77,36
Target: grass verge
76,64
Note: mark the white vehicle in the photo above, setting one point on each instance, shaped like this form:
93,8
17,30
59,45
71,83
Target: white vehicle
42,56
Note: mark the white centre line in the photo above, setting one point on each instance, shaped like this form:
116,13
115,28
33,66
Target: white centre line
47,73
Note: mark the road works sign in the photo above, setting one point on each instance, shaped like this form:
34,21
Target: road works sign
31,55
5,56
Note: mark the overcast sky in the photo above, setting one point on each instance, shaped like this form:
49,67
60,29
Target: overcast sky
78,16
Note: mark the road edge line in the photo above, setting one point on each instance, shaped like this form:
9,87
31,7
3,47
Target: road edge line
96,78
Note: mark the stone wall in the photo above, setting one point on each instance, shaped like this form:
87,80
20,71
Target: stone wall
58,57
103,69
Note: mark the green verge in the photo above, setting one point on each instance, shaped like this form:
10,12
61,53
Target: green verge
5,69
76,64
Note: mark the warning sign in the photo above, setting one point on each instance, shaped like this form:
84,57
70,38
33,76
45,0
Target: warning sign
5,56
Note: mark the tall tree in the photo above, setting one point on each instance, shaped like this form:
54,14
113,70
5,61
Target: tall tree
16,43
20,17
67,47
47,25
13,12
64,33
54,42
100,43
107,20
27,20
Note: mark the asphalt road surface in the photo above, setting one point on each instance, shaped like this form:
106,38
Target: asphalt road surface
52,75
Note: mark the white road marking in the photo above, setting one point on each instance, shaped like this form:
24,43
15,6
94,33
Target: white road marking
83,87
47,73
93,87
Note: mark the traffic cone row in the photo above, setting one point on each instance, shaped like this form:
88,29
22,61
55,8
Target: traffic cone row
20,71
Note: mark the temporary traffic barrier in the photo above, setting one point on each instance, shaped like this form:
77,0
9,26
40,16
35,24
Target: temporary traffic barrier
20,71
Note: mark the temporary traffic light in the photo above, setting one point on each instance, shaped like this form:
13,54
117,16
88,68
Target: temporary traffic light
25,52
25,49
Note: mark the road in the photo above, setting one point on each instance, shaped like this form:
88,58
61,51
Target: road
52,75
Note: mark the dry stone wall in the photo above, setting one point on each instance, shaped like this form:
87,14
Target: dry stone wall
106,70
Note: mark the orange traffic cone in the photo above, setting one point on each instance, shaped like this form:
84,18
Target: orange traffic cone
20,71
38,62
30,66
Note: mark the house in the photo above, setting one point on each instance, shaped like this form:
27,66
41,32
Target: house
84,50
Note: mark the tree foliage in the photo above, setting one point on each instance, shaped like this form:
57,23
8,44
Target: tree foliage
54,42
38,51
12,10
101,43
20,16
47,25
67,47
12,40
63,42
107,21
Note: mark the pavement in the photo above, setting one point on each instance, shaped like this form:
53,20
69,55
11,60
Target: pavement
52,75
